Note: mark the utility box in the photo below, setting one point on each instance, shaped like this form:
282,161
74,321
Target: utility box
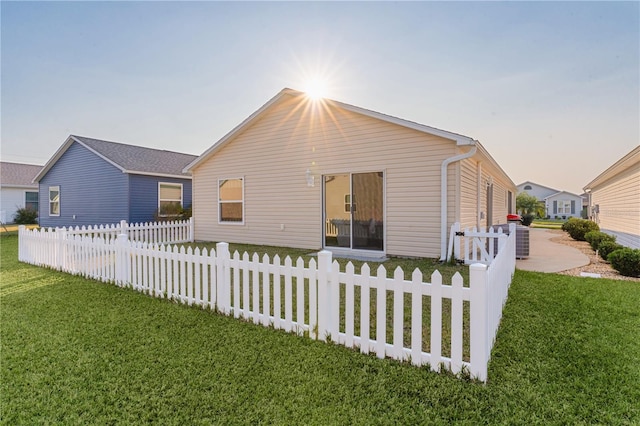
522,236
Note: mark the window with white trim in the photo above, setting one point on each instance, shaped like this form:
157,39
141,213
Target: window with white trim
564,207
54,201
169,198
231,200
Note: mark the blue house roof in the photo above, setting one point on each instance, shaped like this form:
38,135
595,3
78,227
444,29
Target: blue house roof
128,158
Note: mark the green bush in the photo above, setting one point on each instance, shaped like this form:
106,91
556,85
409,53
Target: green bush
25,216
577,228
172,212
626,261
528,218
607,247
595,238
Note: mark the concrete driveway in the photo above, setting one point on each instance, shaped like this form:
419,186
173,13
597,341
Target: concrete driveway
547,256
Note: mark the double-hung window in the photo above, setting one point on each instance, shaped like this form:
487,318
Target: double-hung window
54,201
169,198
564,207
231,200
31,200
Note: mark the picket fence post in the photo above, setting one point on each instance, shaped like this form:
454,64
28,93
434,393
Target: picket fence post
122,260
60,236
223,276
325,314
192,229
123,227
479,285
21,244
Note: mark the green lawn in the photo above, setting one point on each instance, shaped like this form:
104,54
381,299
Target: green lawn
76,351
548,223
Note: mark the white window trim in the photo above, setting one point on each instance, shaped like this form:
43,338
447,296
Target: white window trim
55,188
224,222
170,184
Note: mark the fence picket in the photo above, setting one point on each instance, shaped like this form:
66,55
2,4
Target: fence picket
398,313
288,295
416,317
436,321
381,312
365,301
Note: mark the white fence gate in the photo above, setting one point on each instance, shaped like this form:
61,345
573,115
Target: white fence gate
477,246
355,310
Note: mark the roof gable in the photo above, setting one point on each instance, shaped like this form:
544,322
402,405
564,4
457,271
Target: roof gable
288,93
528,182
18,174
128,158
557,194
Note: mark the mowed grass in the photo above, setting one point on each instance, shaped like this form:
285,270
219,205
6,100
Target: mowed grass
76,351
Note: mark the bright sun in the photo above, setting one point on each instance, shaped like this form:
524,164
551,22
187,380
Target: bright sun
316,88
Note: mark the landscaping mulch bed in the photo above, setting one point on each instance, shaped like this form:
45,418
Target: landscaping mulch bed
596,264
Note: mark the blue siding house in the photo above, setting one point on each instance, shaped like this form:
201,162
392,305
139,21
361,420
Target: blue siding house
92,182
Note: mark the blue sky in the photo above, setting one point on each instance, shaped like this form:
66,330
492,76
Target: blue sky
551,89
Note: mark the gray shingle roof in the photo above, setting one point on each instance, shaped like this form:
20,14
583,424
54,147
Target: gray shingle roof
18,174
140,159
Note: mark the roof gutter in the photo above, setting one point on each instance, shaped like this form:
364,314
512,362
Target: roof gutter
443,196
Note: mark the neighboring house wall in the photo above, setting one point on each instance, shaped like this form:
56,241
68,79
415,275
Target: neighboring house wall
90,188
563,205
539,191
12,199
144,196
615,200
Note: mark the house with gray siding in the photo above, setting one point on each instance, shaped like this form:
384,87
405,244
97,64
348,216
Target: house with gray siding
17,189
92,182
557,204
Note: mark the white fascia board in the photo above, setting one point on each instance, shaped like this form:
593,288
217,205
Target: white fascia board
622,164
460,140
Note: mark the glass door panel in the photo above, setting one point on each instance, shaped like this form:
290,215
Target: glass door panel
354,211
367,194
337,211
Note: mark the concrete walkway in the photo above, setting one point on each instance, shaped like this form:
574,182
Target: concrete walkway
547,256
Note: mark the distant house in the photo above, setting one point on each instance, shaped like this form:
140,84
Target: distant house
90,181
615,199
557,204
17,189
325,174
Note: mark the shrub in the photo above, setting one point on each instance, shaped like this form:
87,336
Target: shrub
577,228
527,218
607,247
172,212
626,261
25,216
595,238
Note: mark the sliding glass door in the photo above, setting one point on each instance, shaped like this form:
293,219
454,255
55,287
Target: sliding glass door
354,211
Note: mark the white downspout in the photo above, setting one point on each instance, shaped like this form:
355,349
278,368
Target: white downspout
444,198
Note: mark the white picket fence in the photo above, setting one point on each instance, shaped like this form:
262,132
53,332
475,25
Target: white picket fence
352,309
169,232
477,246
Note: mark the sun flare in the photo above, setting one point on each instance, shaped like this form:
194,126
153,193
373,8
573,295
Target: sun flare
316,88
